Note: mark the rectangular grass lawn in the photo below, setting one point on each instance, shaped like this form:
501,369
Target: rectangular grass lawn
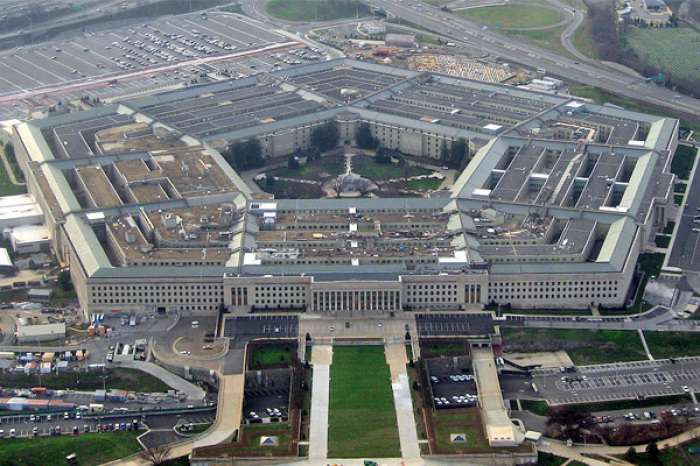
361,413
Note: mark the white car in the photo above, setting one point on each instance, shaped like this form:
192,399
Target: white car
685,388
187,353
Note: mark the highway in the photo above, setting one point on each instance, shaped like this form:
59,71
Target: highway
511,50
583,71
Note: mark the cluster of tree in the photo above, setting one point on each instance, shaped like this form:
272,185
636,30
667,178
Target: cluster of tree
326,136
292,162
244,155
456,155
641,23
637,434
570,420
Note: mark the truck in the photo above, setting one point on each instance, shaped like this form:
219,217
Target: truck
96,407
542,70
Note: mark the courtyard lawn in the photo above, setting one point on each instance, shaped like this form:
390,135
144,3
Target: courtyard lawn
583,346
91,449
316,10
367,167
361,408
325,167
512,16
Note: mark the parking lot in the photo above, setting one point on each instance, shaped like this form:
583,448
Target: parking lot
453,391
143,57
454,324
266,403
248,328
57,424
619,380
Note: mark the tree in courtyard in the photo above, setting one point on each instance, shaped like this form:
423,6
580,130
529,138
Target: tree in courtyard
458,151
380,156
292,162
244,155
364,137
326,136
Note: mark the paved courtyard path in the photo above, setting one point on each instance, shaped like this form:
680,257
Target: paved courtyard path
408,435
321,359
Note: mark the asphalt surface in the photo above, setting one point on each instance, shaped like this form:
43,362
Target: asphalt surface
686,253
454,324
158,422
513,51
617,381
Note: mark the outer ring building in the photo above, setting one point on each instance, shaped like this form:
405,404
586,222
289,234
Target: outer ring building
557,202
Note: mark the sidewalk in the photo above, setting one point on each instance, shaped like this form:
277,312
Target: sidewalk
408,435
321,359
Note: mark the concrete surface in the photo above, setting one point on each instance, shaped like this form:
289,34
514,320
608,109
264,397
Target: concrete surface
498,424
321,359
193,391
408,435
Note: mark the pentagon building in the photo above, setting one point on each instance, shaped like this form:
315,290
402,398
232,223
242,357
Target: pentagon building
560,198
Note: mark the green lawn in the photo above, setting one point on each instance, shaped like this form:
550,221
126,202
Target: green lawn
549,38
462,422
541,408
6,186
367,167
550,459
362,417
436,350
319,10
271,356
584,346
423,183
583,40
672,344
683,161
331,165
233,8
124,379
91,449
512,16
648,402
250,442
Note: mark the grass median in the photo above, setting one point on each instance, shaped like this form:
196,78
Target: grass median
362,416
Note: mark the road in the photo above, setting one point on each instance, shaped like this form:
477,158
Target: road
509,49
605,382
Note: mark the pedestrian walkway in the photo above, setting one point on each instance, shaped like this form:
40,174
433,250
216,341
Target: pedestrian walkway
499,430
644,344
321,359
229,412
408,435
178,383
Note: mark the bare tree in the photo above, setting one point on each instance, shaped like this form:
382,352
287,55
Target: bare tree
156,455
